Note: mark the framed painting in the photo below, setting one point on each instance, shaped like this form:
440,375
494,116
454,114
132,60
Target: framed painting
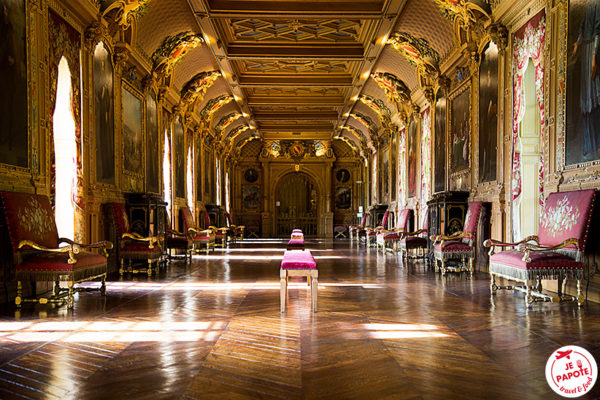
198,171
206,172
582,125
14,135
460,129
250,197
488,113
132,131
343,198
104,115
152,143
439,173
386,172
179,157
412,148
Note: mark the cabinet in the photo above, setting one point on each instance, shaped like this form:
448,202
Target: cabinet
447,211
147,213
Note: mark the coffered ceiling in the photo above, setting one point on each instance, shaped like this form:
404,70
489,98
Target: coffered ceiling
295,68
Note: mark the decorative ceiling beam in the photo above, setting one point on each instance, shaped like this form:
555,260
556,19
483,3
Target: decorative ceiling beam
260,50
171,51
297,115
122,12
295,81
297,100
366,121
213,106
227,120
303,7
379,107
193,91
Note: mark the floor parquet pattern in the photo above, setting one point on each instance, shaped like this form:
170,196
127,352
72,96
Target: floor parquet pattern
212,330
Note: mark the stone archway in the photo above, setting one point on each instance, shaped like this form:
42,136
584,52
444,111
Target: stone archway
296,197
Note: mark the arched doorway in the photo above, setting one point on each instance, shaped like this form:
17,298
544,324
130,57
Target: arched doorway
296,204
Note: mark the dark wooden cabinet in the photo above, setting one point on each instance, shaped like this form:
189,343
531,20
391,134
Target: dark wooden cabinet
376,213
147,213
447,212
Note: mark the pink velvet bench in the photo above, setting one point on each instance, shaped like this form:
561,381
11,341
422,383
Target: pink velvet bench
299,263
297,234
295,244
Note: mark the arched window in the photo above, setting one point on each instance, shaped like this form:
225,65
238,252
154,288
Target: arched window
65,152
218,181
190,181
227,198
167,171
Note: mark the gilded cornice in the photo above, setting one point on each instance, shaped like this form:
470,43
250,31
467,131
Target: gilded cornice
122,12
226,121
171,51
213,106
193,91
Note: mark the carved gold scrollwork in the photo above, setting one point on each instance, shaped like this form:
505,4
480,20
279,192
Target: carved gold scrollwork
122,12
499,35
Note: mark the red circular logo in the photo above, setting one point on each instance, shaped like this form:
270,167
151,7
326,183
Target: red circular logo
571,371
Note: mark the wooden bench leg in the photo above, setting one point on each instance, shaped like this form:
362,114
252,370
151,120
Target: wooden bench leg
314,289
283,289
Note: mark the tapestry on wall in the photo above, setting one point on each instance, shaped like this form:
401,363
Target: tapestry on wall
425,162
488,113
583,82
412,148
14,140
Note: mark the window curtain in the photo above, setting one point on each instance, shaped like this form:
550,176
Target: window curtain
402,169
425,163
528,44
190,180
65,41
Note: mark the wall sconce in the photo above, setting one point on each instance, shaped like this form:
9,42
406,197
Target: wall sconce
297,167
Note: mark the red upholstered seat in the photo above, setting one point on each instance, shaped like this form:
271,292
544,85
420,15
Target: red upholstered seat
392,236
298,259
58,262
539,260
177,242
130,249
411,242
295,244
203,237
452,246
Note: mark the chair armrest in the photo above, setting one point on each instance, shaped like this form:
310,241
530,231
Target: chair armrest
152,240
493,243
71,249
442,238
527,248
415,233
104,245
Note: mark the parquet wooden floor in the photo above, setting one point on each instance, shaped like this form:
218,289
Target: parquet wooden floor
212,330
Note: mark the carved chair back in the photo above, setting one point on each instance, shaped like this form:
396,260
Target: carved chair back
425,220
384,219
471,222
28,217
187,219
567,215
404,219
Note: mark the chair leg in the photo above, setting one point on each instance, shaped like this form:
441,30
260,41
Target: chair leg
443,266
70,299
122,269
580,297
314,289
471,266
493,287
103,285
19,298
283,289
149,267
56,288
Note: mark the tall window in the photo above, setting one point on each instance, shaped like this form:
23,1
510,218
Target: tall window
65,151
227,199
218,181
167,171
189,181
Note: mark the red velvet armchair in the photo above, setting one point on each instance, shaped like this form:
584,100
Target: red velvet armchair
199,237
555,253
371,233
235,231
415,242
460,245
178,241
354,230
393,236
38,254
132,247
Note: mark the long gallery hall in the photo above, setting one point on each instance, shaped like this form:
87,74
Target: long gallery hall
282,199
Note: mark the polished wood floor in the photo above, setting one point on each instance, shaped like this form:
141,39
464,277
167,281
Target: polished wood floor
213,330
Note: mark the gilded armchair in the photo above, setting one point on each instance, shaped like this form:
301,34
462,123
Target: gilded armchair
199,237
372,232
416,241
40,255
393,236
142,253
354,230
460,245
555,253
236,232
175,240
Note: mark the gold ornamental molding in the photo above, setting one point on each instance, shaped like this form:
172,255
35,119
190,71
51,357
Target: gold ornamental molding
377,105
366,121
214,105
394,88
227,120
193,91
172,51
122,12
420,55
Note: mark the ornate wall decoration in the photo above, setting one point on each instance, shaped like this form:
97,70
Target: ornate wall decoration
14,141
122,12
425,161
235,132
366,121
297,149
334,30
379,107
356,132
350,143
412,147
196,87
213,106
440,142
469,16
395,89
104,119
172,50
226,121
488,113
179,157
528,43
419,54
